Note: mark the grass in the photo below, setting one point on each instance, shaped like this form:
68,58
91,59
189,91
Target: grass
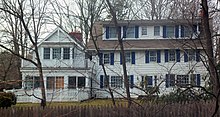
93,102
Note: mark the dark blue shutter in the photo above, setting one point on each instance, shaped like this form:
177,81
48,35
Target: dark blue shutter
177,55
177,31
131,81
197,55
158,56
167,80
124,31
101,81
119,31
112,58
147,56
107,33
198,80
182,31
120,58
136,31
164,32
132,57
186,56
149,80
166,55
100,58
194,28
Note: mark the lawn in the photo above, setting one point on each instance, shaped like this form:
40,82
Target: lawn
93,102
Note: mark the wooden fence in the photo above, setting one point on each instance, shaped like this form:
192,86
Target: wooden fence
190,109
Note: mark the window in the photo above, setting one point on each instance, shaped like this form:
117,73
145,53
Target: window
182,80
170,80
32,82
106,58
153,56
55,82
112,32
59,82
187,31
192,55
172,55
130,32
128,57
73,55
144,31
56,53
72,82
50,82
46,53
66,53
81,82
156,30
170,31
116,81
146,81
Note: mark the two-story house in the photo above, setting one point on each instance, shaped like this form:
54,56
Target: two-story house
163,53
65,69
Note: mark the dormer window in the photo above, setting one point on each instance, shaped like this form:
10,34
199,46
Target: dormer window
130,32
56,53
144,31
156,30
170,31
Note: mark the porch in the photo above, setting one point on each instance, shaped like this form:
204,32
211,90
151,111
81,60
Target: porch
52,95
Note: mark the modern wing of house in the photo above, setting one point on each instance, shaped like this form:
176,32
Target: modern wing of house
65,70
163,53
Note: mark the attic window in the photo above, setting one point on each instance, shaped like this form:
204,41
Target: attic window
56,53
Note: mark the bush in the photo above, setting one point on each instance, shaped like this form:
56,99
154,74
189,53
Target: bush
7,99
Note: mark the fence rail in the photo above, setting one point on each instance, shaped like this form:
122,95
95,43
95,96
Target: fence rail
190,109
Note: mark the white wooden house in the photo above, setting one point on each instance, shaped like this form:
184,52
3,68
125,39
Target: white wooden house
164,53
65,69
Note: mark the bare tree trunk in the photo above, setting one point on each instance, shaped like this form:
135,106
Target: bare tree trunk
209,49
126,81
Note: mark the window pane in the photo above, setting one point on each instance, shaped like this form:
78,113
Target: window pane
56,53
112,32
59,82
28,82
106,59
46,53
66,53
153,56
128,57
170,31
81,82
50,82
144,31
36,81
172,55
130,32
116,81
182,80
106,81
170,79
156,30
192,55
72,82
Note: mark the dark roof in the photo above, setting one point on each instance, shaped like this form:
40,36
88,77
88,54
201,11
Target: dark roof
153,22
148,44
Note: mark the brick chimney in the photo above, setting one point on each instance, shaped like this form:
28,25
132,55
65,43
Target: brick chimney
77,35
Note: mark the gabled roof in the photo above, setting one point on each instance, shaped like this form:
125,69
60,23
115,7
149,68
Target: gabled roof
70,38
